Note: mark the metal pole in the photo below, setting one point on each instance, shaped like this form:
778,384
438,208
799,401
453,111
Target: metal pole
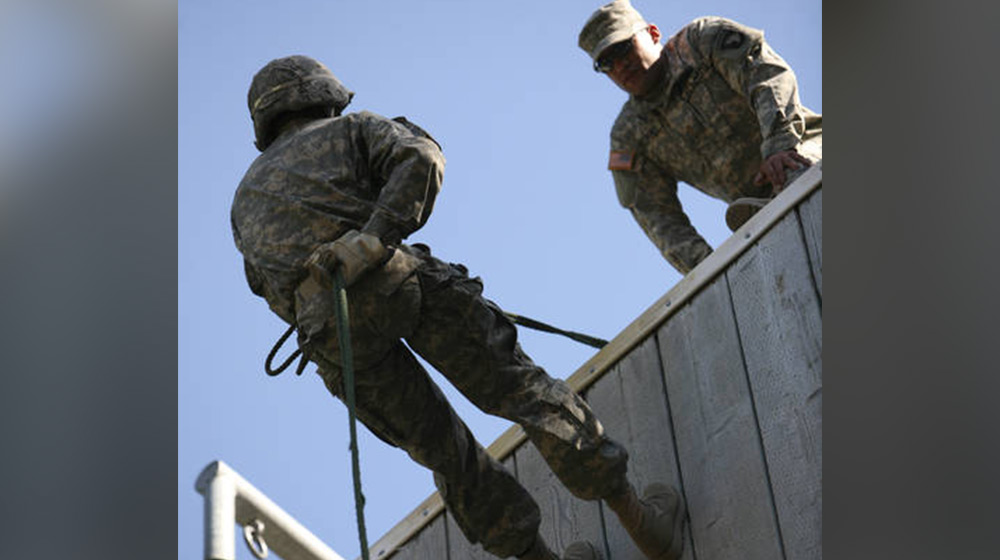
220,517
230,500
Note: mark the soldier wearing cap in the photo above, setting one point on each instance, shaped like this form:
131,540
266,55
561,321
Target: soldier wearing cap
342,191
714,107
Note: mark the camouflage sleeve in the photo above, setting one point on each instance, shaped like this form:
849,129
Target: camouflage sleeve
409,169
752,68
650,195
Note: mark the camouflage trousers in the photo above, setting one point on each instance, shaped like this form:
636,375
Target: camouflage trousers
440,312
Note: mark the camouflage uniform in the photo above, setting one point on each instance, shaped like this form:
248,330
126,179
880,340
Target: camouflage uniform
362,171
724,103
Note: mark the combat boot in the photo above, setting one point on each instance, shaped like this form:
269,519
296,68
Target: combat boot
742,209
655,522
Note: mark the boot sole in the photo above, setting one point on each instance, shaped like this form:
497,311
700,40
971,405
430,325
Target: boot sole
741,210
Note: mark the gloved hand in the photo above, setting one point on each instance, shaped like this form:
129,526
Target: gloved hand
354,253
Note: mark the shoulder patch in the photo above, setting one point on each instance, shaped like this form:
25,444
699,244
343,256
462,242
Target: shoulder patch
734,40
621,160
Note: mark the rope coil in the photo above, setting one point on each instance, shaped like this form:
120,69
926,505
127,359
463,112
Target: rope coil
284,365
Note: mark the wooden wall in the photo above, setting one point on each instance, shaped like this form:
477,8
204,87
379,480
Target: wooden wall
722,398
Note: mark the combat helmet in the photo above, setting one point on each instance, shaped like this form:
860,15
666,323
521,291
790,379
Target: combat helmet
292,83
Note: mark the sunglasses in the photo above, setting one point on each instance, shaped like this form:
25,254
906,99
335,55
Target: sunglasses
606,61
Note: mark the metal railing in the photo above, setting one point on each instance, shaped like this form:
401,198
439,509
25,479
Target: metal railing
230,500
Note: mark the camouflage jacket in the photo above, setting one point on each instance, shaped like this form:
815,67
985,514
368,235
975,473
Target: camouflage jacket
311,185
725,101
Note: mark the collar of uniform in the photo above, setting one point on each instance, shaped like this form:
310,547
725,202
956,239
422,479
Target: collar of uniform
665,82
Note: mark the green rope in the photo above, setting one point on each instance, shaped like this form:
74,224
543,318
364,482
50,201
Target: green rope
347,358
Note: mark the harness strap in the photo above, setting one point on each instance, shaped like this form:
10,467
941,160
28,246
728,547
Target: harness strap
540,326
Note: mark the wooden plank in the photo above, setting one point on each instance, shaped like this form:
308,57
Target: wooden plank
780,328
722,464
405,529
459,547
811,218
631,403
636,332
660,311
706,271
430,542
565,518
511,439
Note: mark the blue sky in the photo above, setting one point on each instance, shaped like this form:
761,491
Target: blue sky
527,205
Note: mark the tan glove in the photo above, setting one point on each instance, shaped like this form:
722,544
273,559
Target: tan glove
354,253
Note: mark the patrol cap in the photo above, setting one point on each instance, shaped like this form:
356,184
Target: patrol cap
610,24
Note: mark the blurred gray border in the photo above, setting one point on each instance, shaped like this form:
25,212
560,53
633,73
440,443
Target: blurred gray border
910,439
88,331
88,242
